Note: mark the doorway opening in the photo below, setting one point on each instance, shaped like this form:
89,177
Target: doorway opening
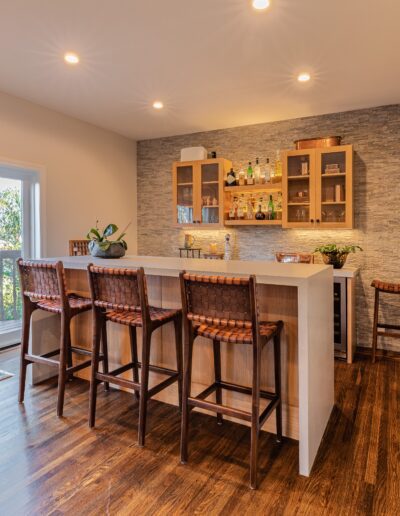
19,237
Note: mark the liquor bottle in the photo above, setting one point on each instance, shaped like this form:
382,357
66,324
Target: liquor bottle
264,205
241,178
244,206
250,176
233,209
257,173
250,210
240,212
268,172
260,215
271,209
278,164
231,178
228,247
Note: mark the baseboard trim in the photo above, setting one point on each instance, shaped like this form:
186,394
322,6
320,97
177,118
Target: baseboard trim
380,353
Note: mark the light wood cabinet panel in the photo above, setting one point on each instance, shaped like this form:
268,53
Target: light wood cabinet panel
318,188
198,193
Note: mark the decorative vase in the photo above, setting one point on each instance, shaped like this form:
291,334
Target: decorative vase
335,259
116,250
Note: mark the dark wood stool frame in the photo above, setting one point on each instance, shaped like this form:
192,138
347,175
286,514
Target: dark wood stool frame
128,296
386,288
257,342
43,287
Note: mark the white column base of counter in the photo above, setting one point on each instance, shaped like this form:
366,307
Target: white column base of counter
299,294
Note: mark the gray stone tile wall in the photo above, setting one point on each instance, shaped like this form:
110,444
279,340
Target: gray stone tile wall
375,135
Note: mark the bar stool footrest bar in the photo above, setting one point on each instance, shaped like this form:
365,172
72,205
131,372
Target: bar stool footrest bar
220,409
268,410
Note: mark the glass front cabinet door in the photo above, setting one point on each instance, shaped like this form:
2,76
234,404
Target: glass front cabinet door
198,191
298,189
318,188
334,189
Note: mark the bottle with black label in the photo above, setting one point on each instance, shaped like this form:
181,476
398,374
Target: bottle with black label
259,214
231,178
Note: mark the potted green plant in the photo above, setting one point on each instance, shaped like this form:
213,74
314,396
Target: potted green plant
334,255
101,247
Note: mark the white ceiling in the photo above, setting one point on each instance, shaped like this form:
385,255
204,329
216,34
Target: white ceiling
214,63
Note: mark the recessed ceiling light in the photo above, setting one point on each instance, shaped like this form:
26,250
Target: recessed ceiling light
304,77
158,104
71,58
261,4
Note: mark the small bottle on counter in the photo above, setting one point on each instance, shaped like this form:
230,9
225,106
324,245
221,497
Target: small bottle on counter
250,176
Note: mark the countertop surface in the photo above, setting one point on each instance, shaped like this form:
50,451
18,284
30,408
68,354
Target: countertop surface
266,271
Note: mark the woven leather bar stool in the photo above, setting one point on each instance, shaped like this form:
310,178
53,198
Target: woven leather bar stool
120,296
43,287
394,329
224,309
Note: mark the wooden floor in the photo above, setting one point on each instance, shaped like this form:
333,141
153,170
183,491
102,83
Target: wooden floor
53,466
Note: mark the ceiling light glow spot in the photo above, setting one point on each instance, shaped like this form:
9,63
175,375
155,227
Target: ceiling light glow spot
71,58
157,104
261,4
304,77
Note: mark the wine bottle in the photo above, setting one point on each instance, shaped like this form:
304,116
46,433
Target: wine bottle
271,209
260,215
250,177
257,172
278,164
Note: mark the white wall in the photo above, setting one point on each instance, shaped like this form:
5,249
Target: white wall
90,172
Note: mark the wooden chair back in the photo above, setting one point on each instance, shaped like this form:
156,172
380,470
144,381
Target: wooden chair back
79,247
118,289
294,257
42,280
219,300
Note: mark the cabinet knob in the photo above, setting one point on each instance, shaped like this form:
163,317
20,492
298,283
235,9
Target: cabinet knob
312,221
318,221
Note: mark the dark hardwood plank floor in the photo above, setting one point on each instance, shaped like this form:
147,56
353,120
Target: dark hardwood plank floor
59,466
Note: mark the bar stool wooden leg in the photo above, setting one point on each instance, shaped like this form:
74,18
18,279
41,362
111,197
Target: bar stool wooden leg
178,345
255,411
144,385
277,364
217,373
62,369
94,368
27,313
186,388
105,350
375,329
134,356
69,354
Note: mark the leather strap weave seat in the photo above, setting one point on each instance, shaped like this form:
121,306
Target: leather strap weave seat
130,318
386,286
77,304
243,335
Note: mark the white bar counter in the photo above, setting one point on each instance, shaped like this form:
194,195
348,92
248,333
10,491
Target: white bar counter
299,294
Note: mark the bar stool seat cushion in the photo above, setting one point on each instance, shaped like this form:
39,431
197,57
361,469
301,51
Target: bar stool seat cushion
134,318
386,286
236,334
77,304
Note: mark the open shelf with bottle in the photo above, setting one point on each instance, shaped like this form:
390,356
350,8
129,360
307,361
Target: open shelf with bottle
317,188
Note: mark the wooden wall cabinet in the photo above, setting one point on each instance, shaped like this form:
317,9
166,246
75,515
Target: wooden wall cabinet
317,187
198,193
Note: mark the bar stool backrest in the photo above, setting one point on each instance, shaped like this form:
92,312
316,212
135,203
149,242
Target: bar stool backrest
79,247
219,300
118,289
42,280
294,257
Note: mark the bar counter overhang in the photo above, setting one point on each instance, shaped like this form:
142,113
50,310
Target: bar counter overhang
299,294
